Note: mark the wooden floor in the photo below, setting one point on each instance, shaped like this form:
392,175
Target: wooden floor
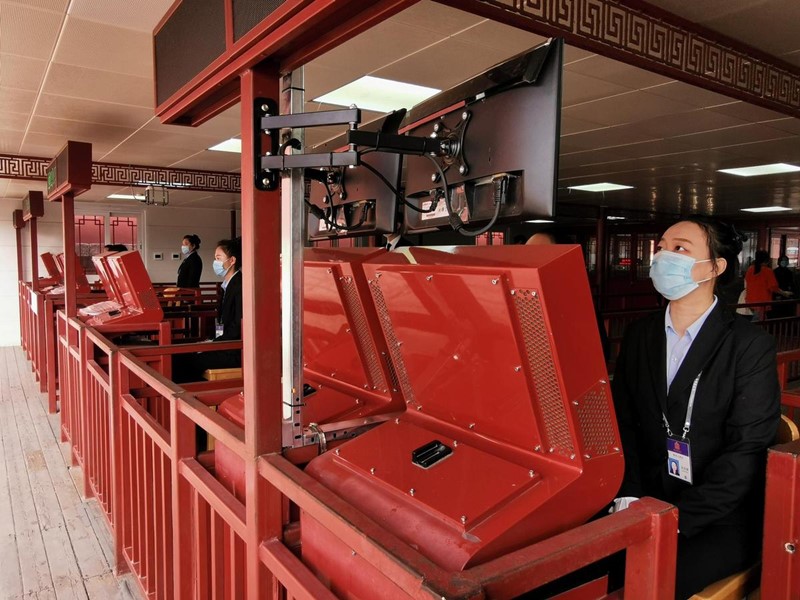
53,544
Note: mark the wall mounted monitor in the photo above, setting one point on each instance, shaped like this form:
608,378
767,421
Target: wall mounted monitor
354,201
500,131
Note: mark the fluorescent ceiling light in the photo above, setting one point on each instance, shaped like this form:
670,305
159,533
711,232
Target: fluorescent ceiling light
125,197
540,221
169,184
374,93
231,145
600,187
614,218
760,209
761,170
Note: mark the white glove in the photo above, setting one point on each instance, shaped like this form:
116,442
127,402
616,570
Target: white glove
621,504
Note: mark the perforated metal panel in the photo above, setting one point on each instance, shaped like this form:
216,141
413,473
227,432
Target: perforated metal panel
594,420
363,337
399,367
249,13
542,368
188,42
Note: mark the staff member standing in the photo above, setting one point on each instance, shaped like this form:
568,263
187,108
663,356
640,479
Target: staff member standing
698,403
191,267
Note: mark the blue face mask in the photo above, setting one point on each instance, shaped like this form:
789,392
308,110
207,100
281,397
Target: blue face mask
219,269
672,274
185,249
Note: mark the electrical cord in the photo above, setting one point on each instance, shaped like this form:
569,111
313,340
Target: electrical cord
322,216
455,221
394,190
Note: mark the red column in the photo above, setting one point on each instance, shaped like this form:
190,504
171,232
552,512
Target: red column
68,231
34,254
261,361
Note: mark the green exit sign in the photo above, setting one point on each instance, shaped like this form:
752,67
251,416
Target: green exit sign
51,178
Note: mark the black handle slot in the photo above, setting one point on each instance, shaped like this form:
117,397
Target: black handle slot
431,453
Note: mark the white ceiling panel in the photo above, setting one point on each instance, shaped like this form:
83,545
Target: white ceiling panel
105,48
209,160
58,6
18,101
21,73
105,86
92,111
27,31
141,15
689,94
627,108
13,121
10,141
437,18
46,145
627,76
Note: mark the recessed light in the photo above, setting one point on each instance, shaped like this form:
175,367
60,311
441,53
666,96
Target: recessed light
375,93
761,209
231,145
125,197
772,169
600,187
540,221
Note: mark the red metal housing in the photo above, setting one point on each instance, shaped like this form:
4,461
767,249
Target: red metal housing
497,354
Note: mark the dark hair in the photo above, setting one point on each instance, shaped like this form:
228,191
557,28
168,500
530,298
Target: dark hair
116,248
723,242
232,248
762,258
193,239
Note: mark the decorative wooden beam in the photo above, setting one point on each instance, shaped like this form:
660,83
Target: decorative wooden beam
33,168
640,34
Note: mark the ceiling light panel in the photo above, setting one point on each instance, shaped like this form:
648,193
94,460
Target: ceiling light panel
600,187
375,93
754,171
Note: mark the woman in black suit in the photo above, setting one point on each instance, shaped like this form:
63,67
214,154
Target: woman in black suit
191,267
696,352
227,264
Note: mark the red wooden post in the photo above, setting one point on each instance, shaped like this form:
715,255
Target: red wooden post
780,571
68,229
261,356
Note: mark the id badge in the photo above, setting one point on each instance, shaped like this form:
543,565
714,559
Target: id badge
219,330
679,459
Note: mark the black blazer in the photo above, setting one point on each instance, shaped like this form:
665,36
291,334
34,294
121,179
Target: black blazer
230,311
735,419
189,271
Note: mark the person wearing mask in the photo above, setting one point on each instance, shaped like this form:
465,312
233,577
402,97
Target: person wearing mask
760,284
698,386
227,266
785,278
191,267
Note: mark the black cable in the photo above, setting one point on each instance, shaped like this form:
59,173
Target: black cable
393,189
322,216
455,221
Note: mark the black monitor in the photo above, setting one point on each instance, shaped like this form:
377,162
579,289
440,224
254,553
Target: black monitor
500,131
354,201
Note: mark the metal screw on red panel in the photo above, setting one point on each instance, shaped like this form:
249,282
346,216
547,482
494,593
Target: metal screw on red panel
517,369
372,471
587,456
336,452
455,356
472,425
790,547
603,381
535,294
412,491
463,519
397,421
575,402
419,407
330,270
455,443
352,552
494,281
429,278
530,473
572,457
358,401
552,449
537,449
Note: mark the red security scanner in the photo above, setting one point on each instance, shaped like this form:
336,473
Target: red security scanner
131,297
348,375
509,436
54,282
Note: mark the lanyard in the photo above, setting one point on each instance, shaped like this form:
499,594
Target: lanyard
688,422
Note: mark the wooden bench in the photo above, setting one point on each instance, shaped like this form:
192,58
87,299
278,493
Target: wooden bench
220,374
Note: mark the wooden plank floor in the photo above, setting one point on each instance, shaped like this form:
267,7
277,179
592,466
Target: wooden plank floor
53,544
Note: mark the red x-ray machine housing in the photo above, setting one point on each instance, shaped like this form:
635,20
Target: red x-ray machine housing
347,362
54,282
498,357
131,297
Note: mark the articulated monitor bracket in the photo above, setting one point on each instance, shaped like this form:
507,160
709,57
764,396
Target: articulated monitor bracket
444,142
